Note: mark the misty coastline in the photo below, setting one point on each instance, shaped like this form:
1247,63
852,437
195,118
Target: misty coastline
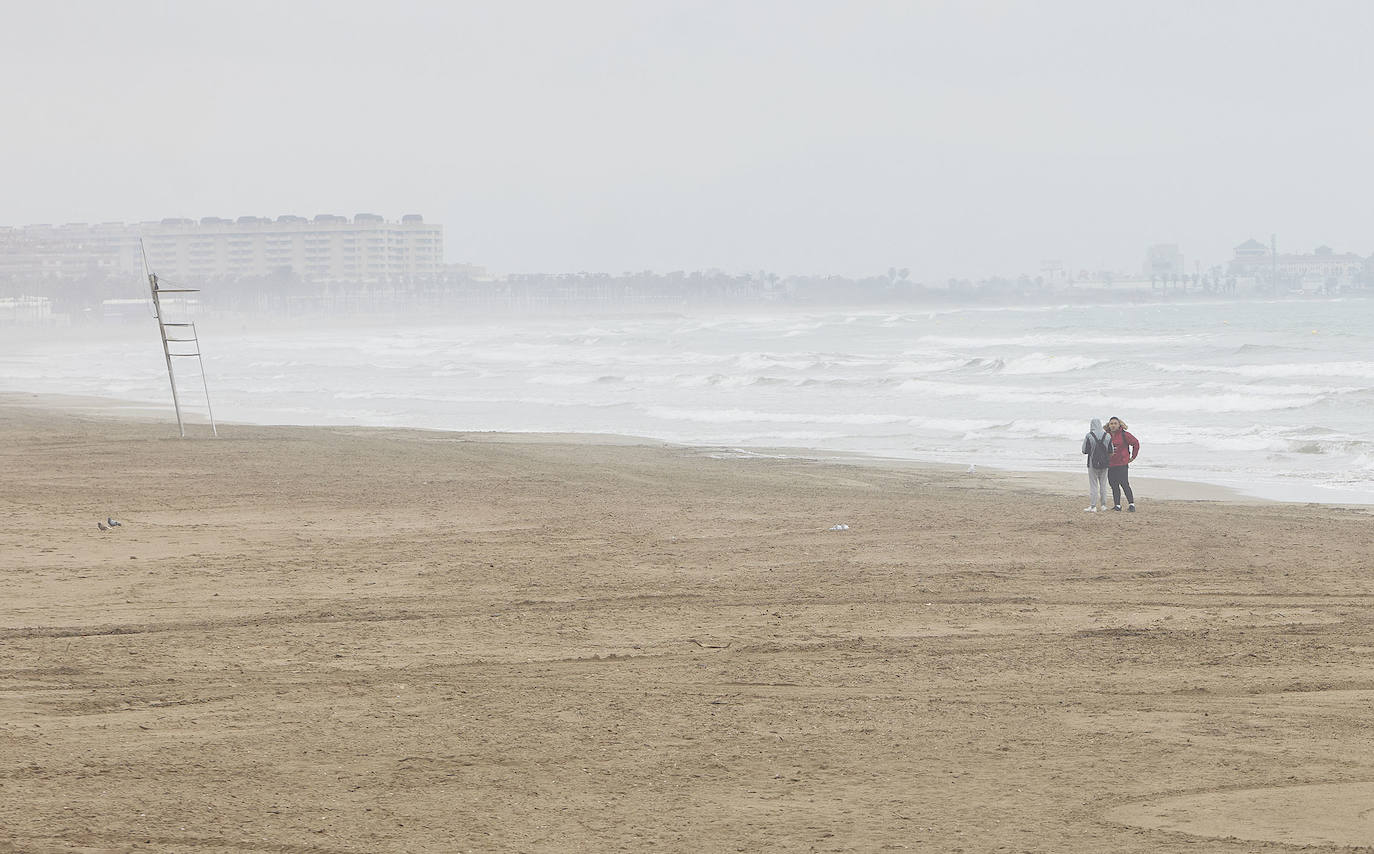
572,296
1263,396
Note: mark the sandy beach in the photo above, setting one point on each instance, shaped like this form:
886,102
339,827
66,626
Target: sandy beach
370,640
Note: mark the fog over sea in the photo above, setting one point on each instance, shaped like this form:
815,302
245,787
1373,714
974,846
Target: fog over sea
1274,398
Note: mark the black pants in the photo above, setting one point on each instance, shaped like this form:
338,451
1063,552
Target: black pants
1120,478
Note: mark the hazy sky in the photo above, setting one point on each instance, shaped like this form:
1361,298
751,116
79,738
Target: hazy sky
952,138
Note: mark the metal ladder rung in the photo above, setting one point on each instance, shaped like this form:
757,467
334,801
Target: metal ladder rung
176,324
178,290
181,339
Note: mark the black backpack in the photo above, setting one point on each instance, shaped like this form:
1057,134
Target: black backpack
1099,451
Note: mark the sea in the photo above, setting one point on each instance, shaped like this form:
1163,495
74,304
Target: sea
1273,398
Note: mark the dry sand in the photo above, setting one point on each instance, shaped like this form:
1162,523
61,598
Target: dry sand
341,640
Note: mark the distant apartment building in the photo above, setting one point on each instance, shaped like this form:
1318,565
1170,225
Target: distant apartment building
366,248
1322,267
1164,259
65,253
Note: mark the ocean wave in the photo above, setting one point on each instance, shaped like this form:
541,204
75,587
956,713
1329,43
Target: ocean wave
769,361
1363,462
1048,363
741,381
846,382
723,381
1070,342
754,416
965,427
1364,370
1207,405
914,424
449,370
791,436
933,367
494,399
1038,428
1260,438
569,379
982,365
1030,364
1259,349
985,393
1271,389
277,364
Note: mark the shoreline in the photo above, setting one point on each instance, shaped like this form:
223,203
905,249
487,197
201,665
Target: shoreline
1056,482
976,390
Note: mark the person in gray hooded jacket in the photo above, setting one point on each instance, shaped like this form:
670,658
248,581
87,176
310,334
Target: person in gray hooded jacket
1097,444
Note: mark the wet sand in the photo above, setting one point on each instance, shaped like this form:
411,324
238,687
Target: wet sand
365,640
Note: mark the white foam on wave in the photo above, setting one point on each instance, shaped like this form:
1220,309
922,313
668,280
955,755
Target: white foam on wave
566,379
1001,393
1071,342
1221,403
1362,370
452,370
496,398
773,361
721,381
1048,363
744,381
932,367
1363,462
789,437
1286,390
1264,438
1041,428
917,423
755,416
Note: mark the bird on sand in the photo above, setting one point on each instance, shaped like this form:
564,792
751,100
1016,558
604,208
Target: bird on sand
111,522
101,526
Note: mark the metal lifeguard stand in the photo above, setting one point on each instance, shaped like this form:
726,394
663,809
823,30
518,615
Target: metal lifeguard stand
179,337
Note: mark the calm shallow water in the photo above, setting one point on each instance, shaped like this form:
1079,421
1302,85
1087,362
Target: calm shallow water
1274,398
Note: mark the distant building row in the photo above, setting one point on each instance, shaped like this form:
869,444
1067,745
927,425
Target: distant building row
325,248
1323,267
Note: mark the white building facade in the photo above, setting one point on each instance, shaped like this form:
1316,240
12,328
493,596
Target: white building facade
366,248
1323,268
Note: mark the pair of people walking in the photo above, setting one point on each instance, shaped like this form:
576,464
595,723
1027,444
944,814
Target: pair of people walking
1110,450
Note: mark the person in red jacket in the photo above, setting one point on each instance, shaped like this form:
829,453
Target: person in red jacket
1125,449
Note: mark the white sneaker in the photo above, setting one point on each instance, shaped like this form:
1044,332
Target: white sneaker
1089,509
